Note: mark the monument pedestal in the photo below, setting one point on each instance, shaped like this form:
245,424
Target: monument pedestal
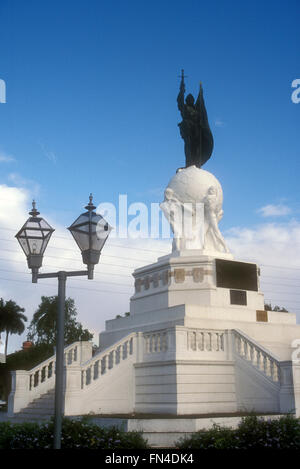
184,288
208,345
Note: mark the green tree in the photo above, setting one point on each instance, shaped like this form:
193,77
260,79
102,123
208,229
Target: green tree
11,319
268,307
42,329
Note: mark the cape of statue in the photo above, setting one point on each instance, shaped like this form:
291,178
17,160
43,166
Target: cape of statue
194,128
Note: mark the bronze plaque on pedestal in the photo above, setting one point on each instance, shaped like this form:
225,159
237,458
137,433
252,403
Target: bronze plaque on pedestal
261,315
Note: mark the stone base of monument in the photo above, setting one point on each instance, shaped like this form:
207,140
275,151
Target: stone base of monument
207,344
197,341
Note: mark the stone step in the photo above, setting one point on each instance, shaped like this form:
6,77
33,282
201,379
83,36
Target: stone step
37,411
44,404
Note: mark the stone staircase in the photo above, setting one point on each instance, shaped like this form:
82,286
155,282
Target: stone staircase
41,409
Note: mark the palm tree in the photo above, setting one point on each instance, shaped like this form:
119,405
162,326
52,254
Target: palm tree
11,319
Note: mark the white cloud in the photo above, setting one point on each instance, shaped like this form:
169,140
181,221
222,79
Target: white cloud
275,248
5,158
274,210
20,181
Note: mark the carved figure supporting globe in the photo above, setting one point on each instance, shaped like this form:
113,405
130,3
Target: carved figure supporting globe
193,206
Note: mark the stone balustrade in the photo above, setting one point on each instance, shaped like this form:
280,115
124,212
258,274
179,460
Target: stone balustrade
46,370
155,342
106,360
205,340
256,355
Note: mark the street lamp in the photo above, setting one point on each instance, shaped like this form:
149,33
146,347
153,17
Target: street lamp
33,238
90,231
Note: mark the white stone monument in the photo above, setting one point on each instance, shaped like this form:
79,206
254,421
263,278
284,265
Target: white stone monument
198,339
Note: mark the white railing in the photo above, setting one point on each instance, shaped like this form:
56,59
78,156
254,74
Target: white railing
155,342
180,342
257,355
45,371
202,340
107,359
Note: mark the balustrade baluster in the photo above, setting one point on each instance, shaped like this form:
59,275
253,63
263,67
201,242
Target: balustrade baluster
164,342
118,357
272,367
213,342
111,359
245,349
43,375
125,350
268,367
260,363
158,343
264,363
207,341
254,356
239,345
151,343
218,341
201,342
47,371
155,342
103,364
131,346
147,343
83,378
88,376
276,371
222,342
96,370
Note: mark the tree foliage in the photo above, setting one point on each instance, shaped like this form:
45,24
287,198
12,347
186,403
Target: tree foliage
42,329
11,319
268,307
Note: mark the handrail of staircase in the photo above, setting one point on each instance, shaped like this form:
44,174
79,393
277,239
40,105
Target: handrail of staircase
106,359
53,357
257,345
261,358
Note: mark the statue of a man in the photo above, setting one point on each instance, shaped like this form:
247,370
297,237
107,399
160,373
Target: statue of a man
213,214
172,208
194,128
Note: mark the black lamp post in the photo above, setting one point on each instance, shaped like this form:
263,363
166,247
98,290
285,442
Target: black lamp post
90,232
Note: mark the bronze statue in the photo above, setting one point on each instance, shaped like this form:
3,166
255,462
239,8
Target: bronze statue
194,128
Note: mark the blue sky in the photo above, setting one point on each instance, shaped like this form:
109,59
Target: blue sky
91,101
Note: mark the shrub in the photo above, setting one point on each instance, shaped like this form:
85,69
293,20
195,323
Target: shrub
252,433
76,434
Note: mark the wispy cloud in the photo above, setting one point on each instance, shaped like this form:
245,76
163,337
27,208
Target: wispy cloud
5,158
219,123
274,210
50,155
